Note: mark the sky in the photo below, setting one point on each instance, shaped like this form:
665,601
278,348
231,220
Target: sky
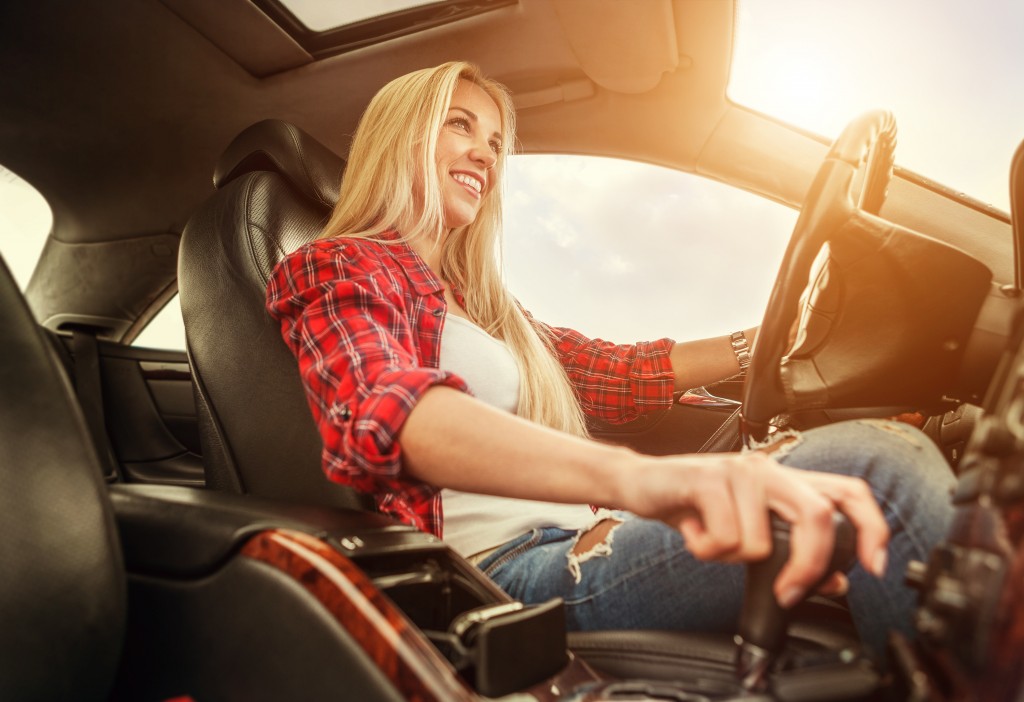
628,251
595,243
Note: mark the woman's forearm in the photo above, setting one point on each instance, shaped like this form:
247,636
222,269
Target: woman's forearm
706,361
453,440
719,502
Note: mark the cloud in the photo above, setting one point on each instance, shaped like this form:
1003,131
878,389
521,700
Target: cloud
628,251
616,264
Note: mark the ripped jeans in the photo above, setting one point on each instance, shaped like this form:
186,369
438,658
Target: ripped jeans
641,575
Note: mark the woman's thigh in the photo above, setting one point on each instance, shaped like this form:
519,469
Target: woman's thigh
912,483
640,576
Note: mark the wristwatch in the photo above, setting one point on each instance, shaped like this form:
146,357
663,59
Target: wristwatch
741,349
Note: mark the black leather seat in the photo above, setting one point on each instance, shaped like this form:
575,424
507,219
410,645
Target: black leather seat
62,587
276,186
150,593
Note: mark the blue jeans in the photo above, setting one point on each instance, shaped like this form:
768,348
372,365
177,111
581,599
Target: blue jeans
648,580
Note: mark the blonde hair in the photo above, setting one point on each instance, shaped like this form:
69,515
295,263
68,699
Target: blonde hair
393,154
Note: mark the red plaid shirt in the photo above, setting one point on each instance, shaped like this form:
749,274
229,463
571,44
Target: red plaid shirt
364,319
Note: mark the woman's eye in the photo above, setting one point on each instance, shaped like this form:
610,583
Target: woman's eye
495,146
459,122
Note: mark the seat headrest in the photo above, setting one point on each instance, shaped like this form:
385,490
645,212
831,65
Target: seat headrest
278,146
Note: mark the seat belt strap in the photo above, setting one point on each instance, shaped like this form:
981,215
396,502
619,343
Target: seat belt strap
89,387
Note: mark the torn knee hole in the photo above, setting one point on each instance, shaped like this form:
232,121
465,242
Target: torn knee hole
778,445
595,541
597,535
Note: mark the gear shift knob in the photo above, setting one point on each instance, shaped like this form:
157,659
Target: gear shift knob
763,623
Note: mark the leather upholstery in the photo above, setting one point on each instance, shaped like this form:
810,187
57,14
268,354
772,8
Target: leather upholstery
272,145
179,533
211,622
200,613
276,186
62,593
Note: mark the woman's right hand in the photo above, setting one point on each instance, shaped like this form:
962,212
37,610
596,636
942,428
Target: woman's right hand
721,502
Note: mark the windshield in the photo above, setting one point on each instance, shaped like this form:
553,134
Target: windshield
948,70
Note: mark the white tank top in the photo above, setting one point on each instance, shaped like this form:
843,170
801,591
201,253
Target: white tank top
475,523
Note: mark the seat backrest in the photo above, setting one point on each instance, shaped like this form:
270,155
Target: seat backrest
275,189
62,582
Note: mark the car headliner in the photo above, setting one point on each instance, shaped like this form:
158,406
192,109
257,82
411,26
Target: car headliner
116,110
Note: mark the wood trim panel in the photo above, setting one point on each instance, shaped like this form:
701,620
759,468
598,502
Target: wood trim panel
412,664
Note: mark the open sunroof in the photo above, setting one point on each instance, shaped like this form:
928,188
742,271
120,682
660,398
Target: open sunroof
328,27
320,16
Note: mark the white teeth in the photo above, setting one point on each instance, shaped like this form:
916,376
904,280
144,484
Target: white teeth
468,180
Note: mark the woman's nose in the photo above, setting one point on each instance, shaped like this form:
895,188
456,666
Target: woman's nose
484,155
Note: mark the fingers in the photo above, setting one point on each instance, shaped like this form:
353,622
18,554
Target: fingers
723,511
854,499
719,537
811,539
729,522
812,498
749,495
835,585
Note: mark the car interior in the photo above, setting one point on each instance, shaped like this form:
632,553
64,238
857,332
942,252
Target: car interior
171,534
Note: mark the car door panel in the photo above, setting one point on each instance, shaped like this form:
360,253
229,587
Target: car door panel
149,413
682,428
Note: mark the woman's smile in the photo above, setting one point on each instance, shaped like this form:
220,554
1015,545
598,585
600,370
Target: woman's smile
473,184
467,148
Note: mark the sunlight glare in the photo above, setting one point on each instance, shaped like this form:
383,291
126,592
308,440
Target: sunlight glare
944,68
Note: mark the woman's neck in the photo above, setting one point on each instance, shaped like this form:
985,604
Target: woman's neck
430,252
429,249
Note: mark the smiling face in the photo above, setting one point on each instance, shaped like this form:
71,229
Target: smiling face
467,149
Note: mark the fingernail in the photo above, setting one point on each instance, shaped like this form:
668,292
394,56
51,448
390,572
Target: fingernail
880,562
790,597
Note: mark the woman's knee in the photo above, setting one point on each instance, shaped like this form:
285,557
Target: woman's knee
862,445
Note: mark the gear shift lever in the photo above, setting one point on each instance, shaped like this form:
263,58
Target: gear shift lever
763,623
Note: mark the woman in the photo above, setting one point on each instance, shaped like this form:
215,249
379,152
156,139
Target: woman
464,417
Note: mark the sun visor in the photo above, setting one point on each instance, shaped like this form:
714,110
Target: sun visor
622,46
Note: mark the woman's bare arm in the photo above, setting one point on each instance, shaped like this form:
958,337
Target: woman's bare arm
706,361
719,502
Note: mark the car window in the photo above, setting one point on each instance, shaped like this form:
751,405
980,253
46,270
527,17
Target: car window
621,250
25,221
166,330
628,251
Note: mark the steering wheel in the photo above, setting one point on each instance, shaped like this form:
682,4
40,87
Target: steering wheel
852,180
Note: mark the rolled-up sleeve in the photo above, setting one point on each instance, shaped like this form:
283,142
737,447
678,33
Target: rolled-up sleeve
347,324
614,382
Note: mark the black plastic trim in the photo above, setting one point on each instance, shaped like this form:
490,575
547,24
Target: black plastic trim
898,171
182,532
